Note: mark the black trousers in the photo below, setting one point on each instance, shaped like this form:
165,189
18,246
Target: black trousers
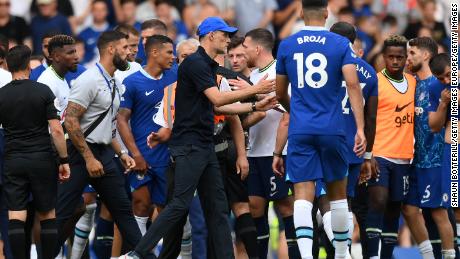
196,168
110,187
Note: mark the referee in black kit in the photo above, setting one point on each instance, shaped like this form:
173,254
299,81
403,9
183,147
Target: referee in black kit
192,145
27,110
90,122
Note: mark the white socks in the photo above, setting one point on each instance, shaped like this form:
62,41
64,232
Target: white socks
186,245
427,250
82,230
304,227
328,227
339,223
448,254
142,223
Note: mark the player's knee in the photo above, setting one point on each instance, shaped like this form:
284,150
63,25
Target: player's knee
378,203
411,212
141,208
439,215
240,208
285,207
257,209
51,214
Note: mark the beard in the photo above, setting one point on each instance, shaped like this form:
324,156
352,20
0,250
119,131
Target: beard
119,63
415,68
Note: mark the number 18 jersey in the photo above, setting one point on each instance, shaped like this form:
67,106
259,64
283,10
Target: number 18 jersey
313,59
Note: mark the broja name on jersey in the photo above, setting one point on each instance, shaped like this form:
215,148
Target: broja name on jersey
313,59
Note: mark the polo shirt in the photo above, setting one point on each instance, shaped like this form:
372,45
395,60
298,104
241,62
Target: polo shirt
194,116
91,91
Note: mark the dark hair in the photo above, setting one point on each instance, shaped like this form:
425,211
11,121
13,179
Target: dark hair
79,40
155,41
128,1
18,58
108,37
262,36
425,43
126,29
59,41
314,4
345,10
99,1
395,41
50,34
36,57
159,2
235,42
344,29
390,19
154,24
439,62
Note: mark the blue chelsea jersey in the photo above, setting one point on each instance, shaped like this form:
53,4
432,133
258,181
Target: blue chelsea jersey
369,85
143,95
313,59
428,145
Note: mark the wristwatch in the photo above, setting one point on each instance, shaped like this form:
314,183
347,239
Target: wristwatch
122,152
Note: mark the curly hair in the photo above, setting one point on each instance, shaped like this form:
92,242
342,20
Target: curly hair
59,41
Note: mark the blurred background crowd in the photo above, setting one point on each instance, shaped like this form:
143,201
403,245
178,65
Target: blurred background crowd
26,21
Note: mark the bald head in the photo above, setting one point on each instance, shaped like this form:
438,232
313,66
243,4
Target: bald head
185,48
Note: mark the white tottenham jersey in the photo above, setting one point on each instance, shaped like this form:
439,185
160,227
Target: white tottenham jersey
262,136
59,87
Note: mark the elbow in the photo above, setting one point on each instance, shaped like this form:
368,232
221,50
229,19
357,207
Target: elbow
57,131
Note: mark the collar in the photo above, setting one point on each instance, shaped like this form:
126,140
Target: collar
105,73
149,76
314,28
206,57
101,28
45,65
55,73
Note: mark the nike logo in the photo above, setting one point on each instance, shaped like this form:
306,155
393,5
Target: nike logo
399,109
423,201
273,194
149,93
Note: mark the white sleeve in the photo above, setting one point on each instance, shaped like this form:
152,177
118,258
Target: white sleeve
44,80
159,117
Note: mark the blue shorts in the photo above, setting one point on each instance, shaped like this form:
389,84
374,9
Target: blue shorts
88,189
320,188
155,180
313,157
353,177
412,196
433,187
263,182
393,176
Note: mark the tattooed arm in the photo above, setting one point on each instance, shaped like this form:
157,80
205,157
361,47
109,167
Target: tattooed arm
74,112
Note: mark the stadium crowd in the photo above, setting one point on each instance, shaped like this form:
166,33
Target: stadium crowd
105,160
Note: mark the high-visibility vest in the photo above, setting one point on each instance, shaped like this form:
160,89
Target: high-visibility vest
169,99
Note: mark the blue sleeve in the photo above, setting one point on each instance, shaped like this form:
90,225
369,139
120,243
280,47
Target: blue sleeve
280,60
127,99
349,56
435,95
